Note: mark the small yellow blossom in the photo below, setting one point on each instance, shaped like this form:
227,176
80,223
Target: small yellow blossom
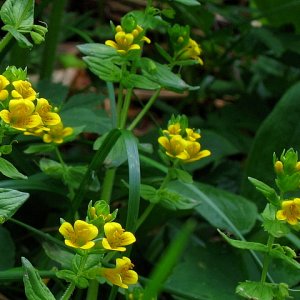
123,42
174,146
57,133
43,108
192,152
191,51
116,237
278,166
122,275
192,135
3,84
290,211
80,236
21,115
173,129
23,90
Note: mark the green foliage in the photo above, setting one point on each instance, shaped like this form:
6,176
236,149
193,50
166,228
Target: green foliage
11,201
35,288
8,170
7,249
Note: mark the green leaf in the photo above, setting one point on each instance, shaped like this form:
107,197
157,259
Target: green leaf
104,68
163,76
276,252
10,202
35,289
168,261
51,168
149,193
271,224
266,142
117,156
18,13
57,254
220,208
139,81
39,148
279,12
266,190
95,164
21,39
183,176
188,2
134,179
201,273
93,121
70,276
262,290
8,170
7,249
97,50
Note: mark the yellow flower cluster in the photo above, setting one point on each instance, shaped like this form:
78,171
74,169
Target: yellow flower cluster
183,146
191,51
24,111
86,236
125,42
290,211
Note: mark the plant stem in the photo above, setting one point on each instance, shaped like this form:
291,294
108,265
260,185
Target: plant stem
92,293
108,182
150,207
43,235
144,110
69,291
54,30
124,112
144,215
113,292
267,259
4,41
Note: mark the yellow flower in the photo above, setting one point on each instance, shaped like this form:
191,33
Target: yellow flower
3,84
43,108
57,133
290,211
23,90
192,135
116,237
278,167
21,115
191,51
80,236
122,275
123,42
173,129
174,146
192,152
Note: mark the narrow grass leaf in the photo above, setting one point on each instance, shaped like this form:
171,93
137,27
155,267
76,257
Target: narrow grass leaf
95,164
134,179
168,261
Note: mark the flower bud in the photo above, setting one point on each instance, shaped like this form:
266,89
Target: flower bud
278,167
128,23
36,37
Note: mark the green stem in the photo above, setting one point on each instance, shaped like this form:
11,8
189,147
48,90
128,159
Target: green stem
144,110
150,207
64,166
69,291
17,274
144,215
124,112
108,182
52,40
267,259
113,293
4,41
37,232
92,293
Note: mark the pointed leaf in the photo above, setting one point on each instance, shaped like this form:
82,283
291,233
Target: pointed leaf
9,170
10,202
